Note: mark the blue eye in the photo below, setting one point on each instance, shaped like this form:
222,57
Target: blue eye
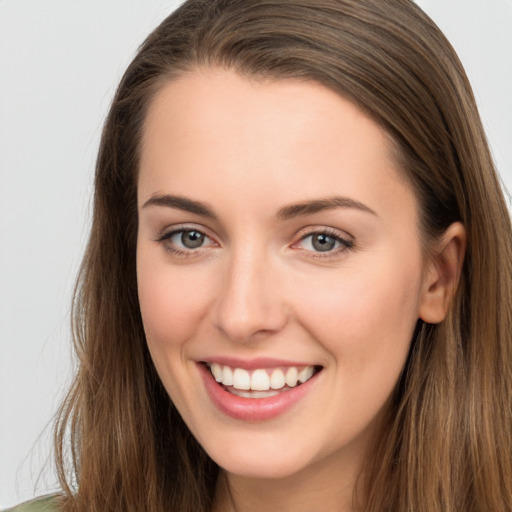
185,240
324,242
191,239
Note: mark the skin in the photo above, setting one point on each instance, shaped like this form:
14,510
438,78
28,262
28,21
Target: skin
258,288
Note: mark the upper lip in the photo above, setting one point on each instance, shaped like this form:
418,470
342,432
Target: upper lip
255,363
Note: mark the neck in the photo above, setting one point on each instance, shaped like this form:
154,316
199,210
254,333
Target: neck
328,487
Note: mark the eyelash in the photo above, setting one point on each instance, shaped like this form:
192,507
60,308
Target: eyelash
166,238
345,244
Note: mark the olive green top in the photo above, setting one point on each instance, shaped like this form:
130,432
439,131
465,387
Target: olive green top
43,504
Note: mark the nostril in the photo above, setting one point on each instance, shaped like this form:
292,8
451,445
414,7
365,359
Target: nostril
249,306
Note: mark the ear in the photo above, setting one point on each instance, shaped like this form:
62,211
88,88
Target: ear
442,274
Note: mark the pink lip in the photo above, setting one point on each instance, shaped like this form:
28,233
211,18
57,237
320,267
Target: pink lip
253,364
253,409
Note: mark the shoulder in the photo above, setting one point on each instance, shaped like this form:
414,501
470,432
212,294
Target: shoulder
43,504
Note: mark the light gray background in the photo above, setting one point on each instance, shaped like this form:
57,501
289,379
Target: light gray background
59,64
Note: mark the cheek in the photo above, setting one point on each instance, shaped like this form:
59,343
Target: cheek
172,301
365,317
365,322
171,307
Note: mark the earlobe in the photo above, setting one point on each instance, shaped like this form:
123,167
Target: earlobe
443,274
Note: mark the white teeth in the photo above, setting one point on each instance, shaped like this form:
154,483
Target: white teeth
227,376
306,373
292,376
241,379
254,394
216,372
277,380
260,380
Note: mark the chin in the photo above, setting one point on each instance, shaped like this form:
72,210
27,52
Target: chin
275,467
264,459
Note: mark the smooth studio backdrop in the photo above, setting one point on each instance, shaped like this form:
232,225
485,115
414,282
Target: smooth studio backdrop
60,62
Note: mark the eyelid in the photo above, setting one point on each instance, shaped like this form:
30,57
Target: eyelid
346,240
166,234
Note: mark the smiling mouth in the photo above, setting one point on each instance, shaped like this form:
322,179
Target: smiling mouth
261,382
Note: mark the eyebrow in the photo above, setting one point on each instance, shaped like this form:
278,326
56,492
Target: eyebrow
181,203
318,205
285,213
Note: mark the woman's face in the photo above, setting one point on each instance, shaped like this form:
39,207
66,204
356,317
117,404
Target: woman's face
277,241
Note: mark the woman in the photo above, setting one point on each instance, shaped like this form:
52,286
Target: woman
296,293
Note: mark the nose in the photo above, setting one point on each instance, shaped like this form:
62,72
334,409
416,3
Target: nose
250,305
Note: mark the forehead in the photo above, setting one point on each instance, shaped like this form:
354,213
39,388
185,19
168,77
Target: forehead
214,127
214,98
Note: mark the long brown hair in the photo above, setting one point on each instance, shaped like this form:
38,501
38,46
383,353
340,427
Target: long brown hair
446,444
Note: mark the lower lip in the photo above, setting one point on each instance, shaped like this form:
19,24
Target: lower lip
253,409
